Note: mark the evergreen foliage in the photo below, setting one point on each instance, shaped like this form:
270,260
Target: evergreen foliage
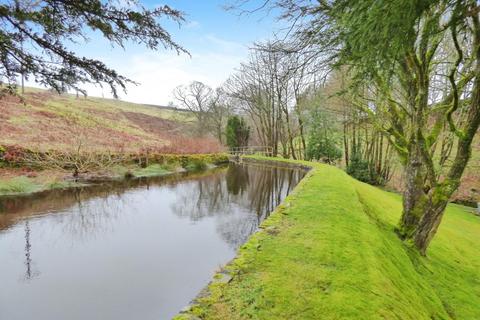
35,37
323,138
414,66
237,132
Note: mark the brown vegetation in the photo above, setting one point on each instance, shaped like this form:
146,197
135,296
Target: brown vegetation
46,121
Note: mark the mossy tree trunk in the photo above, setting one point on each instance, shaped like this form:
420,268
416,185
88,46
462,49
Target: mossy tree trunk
429,188
414,197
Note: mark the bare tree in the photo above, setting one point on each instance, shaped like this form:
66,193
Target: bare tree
210,107
269,88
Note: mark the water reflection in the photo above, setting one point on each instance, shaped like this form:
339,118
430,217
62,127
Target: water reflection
29,272
241,198
123,250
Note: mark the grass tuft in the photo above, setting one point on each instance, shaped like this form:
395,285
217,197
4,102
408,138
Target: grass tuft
196,165
18,185
150,171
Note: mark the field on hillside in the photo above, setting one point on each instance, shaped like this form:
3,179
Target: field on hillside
48,121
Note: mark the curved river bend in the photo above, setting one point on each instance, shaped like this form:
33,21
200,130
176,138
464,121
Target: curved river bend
140,249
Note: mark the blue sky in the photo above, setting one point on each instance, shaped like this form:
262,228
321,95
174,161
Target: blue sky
217,40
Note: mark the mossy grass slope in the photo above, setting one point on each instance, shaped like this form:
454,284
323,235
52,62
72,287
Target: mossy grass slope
330,252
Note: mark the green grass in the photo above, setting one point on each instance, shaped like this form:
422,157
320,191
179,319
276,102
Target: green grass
60,184
151,171
18,185
330,252
196,165
25,185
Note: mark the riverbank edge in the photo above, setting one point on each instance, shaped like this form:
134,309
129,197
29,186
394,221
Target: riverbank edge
222,277
209,160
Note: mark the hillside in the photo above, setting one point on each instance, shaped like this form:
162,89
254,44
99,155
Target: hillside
46,120
330,252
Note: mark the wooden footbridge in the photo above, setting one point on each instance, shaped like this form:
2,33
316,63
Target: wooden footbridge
260,150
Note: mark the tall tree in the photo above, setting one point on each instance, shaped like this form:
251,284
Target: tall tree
403,99
197,98
398,53
269,88
237,132
323,137
210,107
35,38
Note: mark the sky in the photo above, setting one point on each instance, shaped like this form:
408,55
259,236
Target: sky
217,40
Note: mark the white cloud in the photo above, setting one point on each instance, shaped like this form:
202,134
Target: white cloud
159,73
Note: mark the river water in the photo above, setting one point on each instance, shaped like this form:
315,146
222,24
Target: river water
139,249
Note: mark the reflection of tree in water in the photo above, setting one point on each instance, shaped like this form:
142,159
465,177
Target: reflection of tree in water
237,179
201,198
237,227
84,213
83,221
15,208
240,199
29,271
88,219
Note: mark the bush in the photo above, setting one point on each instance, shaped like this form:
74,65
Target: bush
323,149
17,185
196,165
12,155
151,171
323,136
184,160
61,185
237,132
360,170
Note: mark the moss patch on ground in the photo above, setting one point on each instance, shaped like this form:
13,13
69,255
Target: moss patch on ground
330,252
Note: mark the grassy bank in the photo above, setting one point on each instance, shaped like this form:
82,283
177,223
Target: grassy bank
16,180
329,252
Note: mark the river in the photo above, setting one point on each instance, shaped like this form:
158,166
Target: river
138,249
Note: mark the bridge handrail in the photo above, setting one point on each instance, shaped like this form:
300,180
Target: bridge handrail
265,150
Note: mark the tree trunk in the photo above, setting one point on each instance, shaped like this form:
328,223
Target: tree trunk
302,137
414,198
345,143
429,223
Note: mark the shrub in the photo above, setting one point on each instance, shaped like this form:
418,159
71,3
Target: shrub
150,171
320,148
196,165
237,132
360,169
12,154
17,185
